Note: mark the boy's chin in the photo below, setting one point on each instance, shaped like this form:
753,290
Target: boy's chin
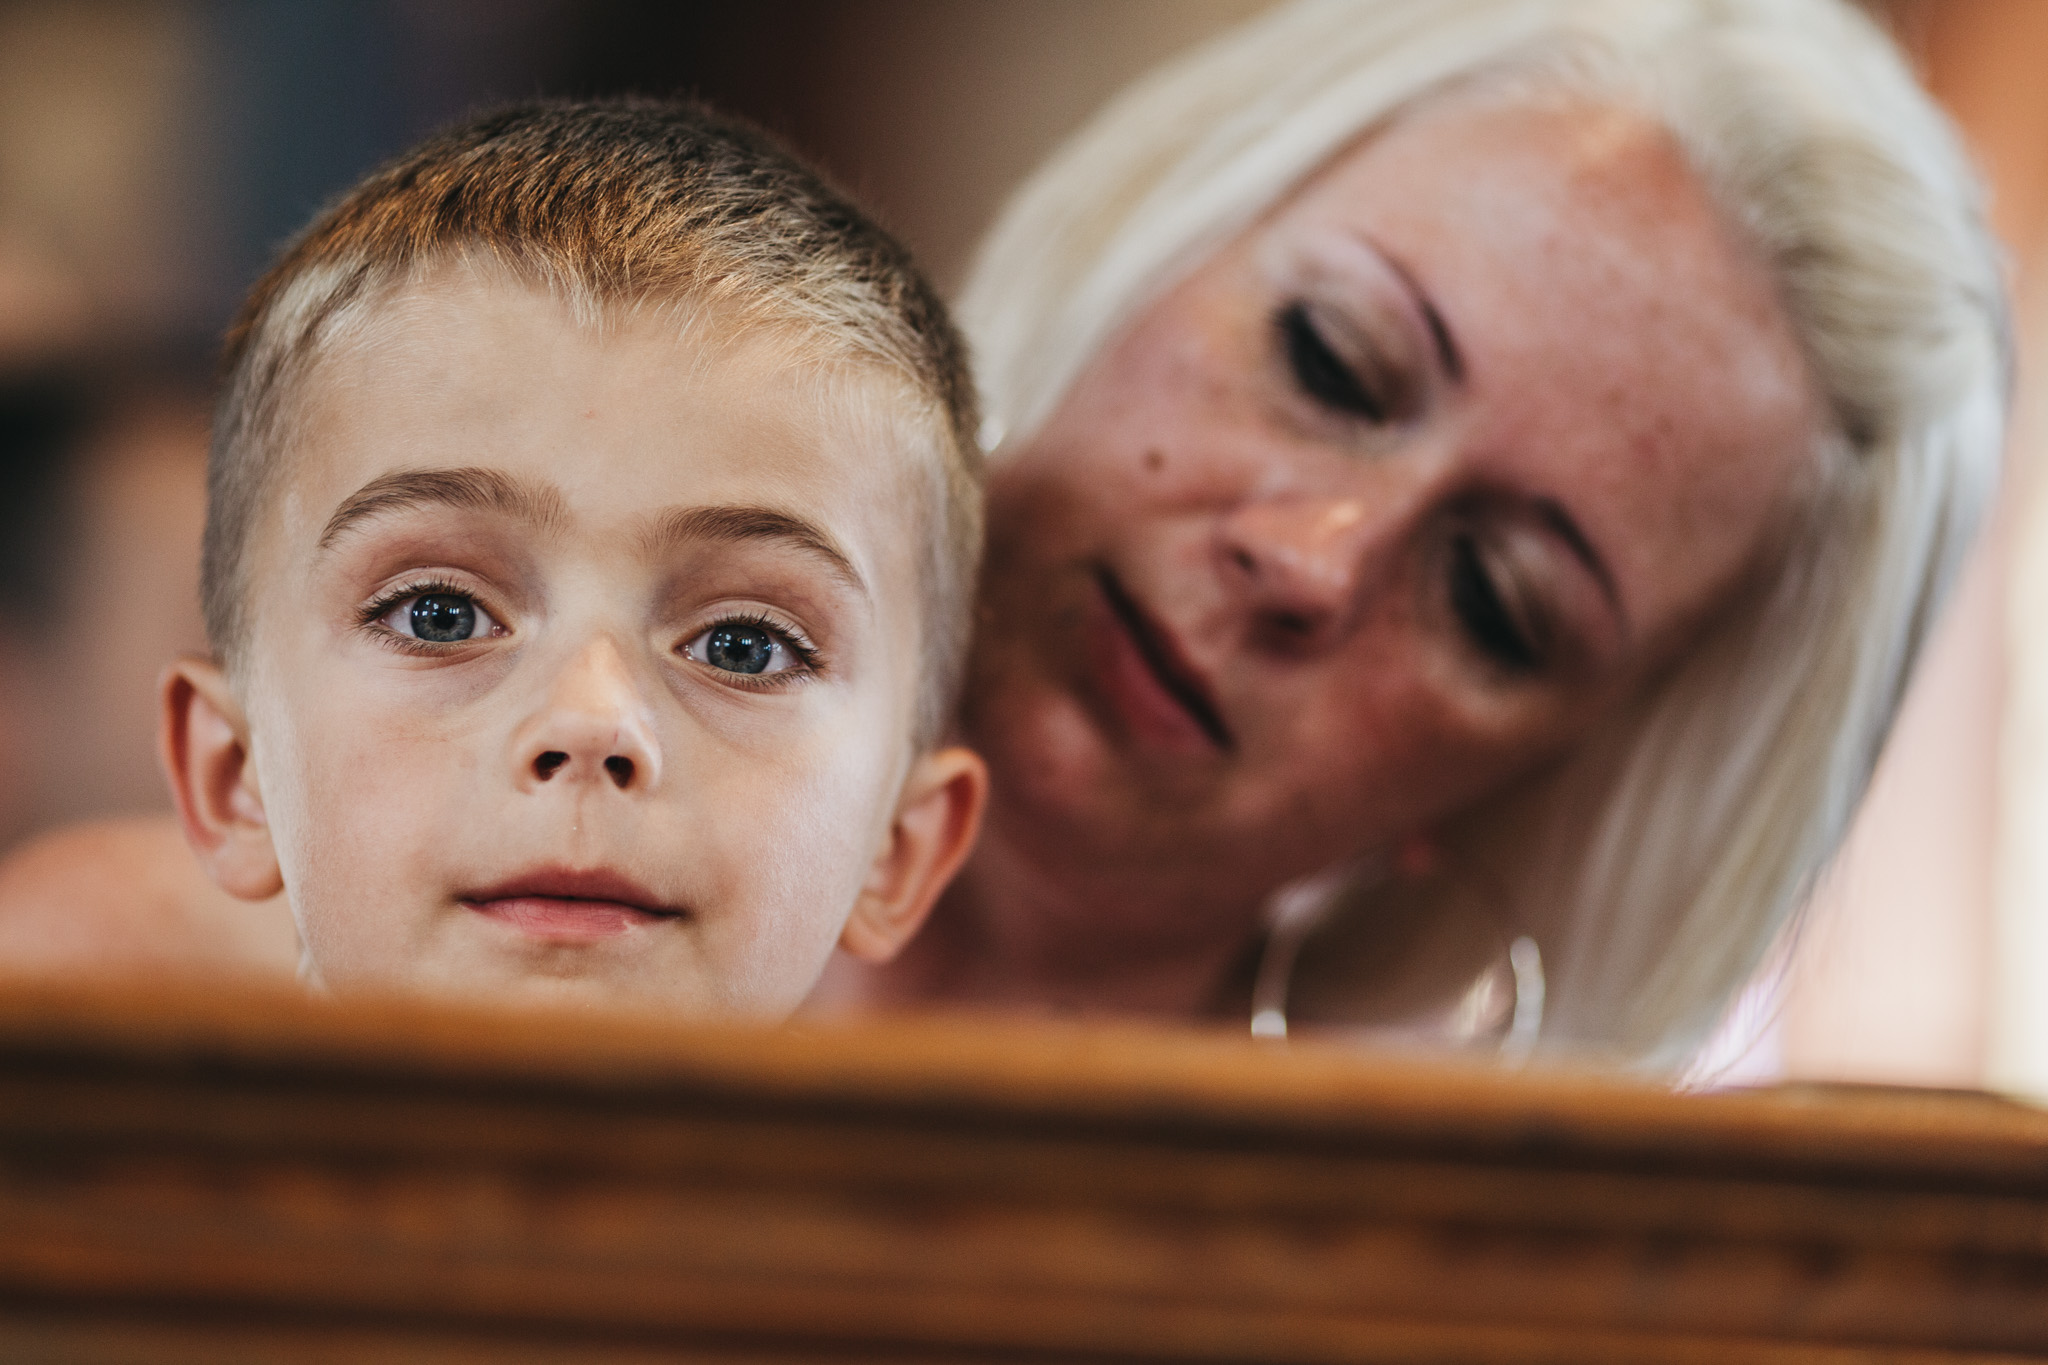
604,975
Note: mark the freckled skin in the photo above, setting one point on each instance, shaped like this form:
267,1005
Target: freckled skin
1624,358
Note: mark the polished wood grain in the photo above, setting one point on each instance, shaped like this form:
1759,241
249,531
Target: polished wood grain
236,1174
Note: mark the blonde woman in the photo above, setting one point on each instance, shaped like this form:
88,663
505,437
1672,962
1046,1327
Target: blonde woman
1497,459
1470,480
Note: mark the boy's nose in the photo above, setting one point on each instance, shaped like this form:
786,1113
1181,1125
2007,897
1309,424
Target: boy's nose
592,727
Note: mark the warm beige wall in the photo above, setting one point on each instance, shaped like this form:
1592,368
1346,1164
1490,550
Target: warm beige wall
94,102
942,107
1905,960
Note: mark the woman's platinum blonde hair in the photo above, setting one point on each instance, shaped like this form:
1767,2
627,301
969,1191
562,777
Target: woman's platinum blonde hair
1676,845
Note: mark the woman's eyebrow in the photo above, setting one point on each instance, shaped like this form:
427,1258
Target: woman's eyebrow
731,523
469,487
1558,520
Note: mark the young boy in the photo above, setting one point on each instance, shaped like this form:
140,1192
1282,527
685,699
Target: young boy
592,522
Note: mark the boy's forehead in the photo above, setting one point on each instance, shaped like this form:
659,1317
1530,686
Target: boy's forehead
621,410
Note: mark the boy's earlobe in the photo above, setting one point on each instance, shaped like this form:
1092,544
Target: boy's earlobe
936,820
203,742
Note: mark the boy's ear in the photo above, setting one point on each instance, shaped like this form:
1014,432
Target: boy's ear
936,820
204,744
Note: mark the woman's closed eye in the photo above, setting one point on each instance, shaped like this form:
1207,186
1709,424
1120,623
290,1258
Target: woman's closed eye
1494,616
429,614
1324,374
750,649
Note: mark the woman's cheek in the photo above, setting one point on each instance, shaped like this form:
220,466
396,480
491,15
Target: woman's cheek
1386,740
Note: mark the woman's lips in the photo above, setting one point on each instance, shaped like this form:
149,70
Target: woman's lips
564,905
1143,674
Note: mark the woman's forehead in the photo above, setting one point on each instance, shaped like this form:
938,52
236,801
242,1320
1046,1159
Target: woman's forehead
1487,170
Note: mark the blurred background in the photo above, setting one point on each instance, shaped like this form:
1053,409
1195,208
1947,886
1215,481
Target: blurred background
154,153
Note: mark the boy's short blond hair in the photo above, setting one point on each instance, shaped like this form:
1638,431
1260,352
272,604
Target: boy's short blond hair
608,204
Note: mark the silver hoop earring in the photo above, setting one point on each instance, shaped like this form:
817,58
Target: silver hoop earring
1298,910
1525,959
1294,912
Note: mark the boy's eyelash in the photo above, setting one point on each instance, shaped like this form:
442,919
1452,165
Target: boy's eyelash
370,615
378,607
800,644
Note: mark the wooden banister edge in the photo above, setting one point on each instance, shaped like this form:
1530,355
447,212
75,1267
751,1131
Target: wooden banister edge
991,1071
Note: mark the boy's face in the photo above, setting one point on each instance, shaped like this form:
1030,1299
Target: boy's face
583,660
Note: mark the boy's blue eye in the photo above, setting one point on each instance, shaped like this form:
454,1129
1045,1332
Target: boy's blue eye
740,649
743,647
441,618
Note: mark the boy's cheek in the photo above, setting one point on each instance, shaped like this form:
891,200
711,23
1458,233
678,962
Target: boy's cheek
769,917
363,834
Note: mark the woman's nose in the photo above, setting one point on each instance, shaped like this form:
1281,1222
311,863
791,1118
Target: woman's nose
592,728
1299,563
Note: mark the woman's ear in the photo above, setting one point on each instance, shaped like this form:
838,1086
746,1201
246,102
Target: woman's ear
204,744
937,817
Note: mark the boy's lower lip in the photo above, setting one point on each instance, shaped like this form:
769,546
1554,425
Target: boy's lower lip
565,920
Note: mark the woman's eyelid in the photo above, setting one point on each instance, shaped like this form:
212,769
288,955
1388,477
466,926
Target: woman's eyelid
1519,584
1353,279
1381,379
1545,586
1361,344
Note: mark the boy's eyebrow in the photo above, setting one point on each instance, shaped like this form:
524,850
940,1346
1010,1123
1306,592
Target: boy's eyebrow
470,487
488,490
740,522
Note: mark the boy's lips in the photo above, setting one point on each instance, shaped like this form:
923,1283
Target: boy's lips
569,905
1147,675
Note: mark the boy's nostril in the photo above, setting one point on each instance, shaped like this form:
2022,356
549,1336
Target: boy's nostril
621,769
544,766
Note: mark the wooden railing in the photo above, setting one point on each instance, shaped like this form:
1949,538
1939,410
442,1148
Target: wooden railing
217,1175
